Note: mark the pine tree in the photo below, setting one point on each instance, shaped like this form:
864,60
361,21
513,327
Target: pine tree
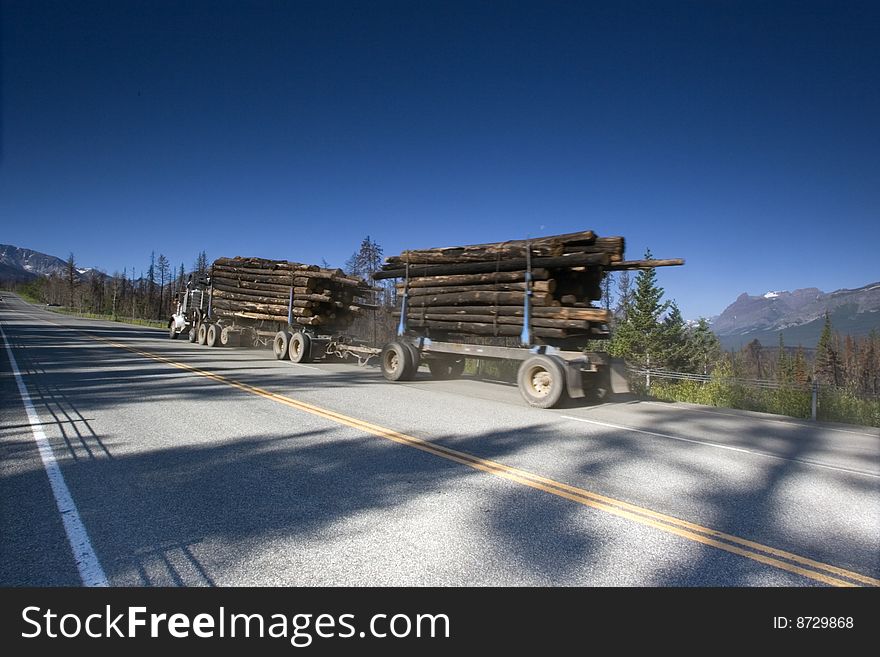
673,343
640,334
754,358
783,364
201,266
365,262
624,295
606,290
70,273
164,268
827,356
800,374
704,347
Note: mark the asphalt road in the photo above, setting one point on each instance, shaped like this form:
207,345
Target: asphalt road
195,466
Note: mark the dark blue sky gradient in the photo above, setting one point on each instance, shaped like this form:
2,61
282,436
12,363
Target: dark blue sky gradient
741,136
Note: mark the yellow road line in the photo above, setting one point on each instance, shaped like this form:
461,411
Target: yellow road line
767,555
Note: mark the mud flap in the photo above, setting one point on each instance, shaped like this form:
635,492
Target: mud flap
574,378
618,375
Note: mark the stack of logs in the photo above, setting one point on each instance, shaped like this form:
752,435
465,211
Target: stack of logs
481,289
258,289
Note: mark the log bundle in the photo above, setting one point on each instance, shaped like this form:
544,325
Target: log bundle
480,289
267,290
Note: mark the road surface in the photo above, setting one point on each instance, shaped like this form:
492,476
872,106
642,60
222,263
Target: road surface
146,461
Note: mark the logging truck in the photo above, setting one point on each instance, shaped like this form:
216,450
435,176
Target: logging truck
302,311
535,293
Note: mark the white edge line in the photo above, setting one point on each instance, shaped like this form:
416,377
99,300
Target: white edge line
727,447
90,571
716,410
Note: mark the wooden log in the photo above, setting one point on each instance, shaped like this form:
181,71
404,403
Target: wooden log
276,279
265,308
645,264
320,298
252,271
591,314
257,316
537,286
269,296
511,264
551,245
490,329
244,284
501,319
471,298
478,279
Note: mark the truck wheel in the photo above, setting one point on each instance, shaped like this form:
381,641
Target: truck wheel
191,334
228,337
300,348
416,355
213,337
280,343
172,331
446,368
541,381
396,363
202,335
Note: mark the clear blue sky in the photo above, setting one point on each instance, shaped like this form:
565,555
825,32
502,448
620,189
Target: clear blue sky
744,137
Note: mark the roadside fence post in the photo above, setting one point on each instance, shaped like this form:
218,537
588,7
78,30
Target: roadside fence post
815,400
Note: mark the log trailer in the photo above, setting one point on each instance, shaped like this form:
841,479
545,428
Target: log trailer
537,292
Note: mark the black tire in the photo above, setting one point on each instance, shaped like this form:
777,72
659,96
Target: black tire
172,331
416,354
396,362
228,337
212,339
300,348
202,334
191,334
541,381
280,343
446,368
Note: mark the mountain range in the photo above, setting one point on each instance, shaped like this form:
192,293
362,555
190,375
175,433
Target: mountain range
798,315
18,265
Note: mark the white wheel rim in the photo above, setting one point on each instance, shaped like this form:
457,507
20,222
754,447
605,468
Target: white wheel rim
540,381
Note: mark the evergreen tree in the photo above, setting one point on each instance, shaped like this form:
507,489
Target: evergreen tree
827,356
640,334
606,290
70,274
799,368
753,353
201,266
164,269
624,295
704,347
365,262
673,343
783,364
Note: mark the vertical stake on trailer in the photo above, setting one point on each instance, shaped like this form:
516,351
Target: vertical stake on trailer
210,298
526,336
290,308
401,328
